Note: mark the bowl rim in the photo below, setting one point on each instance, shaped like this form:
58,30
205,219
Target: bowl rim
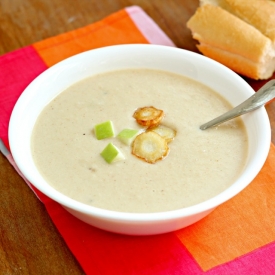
126,216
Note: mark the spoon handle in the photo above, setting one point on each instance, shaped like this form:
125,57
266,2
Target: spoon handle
265,94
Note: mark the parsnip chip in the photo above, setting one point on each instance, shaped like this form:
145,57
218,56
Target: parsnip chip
165,132
148,116
150,147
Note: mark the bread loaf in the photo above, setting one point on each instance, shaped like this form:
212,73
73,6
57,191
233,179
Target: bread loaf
258,13
230,32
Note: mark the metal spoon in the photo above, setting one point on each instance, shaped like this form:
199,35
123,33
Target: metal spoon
265,94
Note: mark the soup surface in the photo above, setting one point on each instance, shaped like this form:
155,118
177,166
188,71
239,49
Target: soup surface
200,164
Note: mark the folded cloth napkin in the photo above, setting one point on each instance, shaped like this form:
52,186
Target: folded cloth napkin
237,238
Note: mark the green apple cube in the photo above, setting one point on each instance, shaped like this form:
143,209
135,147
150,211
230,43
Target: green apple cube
104,130
112,154
128,135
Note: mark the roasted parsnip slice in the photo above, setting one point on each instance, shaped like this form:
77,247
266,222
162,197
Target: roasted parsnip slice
148,116
150,147
165,132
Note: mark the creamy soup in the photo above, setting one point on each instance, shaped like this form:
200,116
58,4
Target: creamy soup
200,164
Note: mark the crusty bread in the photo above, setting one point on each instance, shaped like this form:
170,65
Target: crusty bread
258,13
232,41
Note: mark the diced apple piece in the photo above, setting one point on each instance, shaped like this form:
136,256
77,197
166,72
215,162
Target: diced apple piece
104,130
112,154
128,135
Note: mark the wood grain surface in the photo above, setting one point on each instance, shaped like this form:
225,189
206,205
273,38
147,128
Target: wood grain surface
29,241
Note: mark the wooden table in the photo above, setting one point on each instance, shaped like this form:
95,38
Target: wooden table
29,241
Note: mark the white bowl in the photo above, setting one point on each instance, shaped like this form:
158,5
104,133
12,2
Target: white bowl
202,69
